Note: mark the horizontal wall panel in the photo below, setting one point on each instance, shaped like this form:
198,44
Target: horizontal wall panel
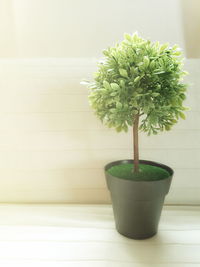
60,102
78,178
48,102
43,86
93,158
81,185
63,195
70,121
186,177
44,103
191,195
48,121
51,76
94,139
52,178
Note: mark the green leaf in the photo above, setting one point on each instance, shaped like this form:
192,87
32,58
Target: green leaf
118,105
141,66
152,64
174,47
146,61
174,121
127,37
182,115
159,72
177,53
123,73
113,94
167,128
161,61
155,94
134,103
146,109
103,91
85,82
106,53
137,79
139,90
133,70
154,131
153,119
186,108
119,128
106,85
157,44
183,96
135,37
185,72
122,83
125,128
114,86
113,110
163,47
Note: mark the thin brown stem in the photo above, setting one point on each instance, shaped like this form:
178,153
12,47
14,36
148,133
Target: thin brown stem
135,143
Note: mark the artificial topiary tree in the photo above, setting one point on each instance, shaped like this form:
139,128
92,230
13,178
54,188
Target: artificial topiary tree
139,84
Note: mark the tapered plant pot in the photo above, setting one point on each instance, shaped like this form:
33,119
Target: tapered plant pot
137,205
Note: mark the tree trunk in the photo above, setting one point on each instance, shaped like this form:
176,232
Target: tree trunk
135,142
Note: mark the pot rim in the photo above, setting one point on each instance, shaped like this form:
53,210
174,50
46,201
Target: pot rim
148,162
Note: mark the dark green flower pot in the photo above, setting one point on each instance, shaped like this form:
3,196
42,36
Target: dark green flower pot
137,205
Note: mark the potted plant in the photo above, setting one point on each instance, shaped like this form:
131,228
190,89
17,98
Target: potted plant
138,84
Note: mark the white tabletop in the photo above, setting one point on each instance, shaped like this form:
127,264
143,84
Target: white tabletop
85,235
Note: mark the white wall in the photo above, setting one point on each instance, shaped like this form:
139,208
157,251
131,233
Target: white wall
53,149
75,28
8,46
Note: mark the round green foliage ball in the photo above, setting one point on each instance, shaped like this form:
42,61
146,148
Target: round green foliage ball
139,77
